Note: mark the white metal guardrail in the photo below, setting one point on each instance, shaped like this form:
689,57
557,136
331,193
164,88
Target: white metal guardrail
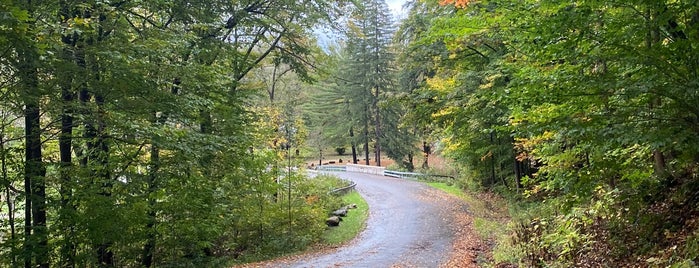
331,168
403,175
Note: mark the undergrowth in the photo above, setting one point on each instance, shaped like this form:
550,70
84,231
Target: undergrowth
607,228
490,216
299,229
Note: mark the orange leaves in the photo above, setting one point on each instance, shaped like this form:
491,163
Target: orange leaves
312,199
457,3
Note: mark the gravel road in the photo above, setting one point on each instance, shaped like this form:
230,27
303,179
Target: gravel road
410,225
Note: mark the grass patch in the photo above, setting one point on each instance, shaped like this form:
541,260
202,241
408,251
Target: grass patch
350,225
489,212
451,189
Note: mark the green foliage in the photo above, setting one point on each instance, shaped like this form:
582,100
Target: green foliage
584,109
349,108
264,232
141,115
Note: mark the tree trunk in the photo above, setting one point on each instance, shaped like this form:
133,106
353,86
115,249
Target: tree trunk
366,140
105,255
377,72
320,157
96,155
149,247
652,38
354,146
65,141
492,158
518,172
426,150
377,127
36,236
9,200
153,186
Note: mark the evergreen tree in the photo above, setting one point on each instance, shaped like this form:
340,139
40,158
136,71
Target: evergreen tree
365,74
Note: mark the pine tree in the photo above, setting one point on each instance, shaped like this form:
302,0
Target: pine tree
367,73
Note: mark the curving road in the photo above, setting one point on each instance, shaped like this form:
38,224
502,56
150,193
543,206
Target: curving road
408,226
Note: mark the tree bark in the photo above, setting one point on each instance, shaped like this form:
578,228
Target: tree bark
34,171
8,199
377,127
492,158
354,146
426,151
100,155
149,247
366,139
652,38
65,140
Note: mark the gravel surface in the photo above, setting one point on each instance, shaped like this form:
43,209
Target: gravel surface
410,225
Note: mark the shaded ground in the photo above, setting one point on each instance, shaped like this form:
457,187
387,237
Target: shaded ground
410,225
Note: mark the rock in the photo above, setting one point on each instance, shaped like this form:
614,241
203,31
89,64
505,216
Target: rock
340,212
333,221
351,206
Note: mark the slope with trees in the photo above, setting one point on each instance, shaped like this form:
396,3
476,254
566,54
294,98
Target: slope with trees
128,138
584,111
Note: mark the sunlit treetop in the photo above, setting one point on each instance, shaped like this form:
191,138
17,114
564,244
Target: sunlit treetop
457,3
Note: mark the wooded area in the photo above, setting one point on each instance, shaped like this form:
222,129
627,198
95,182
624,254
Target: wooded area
583,113
164,133
131,136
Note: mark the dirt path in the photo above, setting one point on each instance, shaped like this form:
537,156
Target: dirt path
410,225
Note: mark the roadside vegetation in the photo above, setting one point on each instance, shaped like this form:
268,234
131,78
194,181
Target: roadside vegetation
491,218
309,231
321,237
351,225
580,114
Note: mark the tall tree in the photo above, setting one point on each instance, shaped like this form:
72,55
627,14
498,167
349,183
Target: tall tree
367,73
27,69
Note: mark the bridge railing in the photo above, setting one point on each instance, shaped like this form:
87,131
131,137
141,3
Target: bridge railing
331,168
365,169
403,175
